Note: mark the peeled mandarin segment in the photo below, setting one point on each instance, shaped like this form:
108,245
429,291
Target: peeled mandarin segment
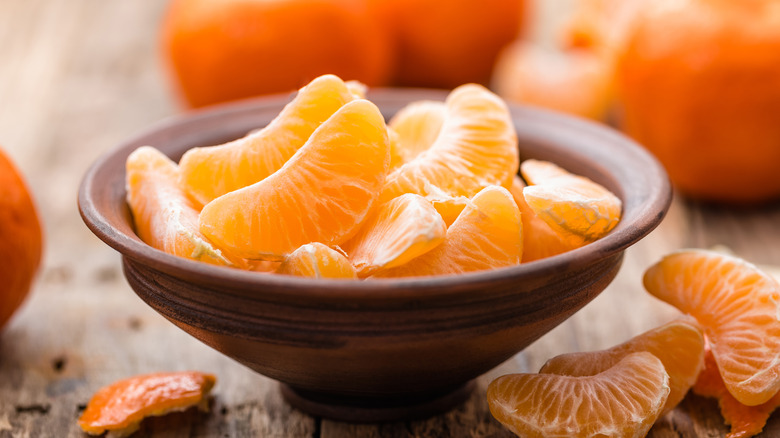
209,172
737,306
321,194
164,216
316,260
622,401
357,88
395,233
539,240
476,147
418,126
679,345
449,208
745,421
120,407
578,209
488,234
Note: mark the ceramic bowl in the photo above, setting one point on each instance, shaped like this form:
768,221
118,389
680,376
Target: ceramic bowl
381,349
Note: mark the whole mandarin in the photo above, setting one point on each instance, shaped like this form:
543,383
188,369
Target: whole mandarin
445,44
20,239
699,83
231,49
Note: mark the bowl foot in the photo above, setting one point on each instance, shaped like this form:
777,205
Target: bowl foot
374,410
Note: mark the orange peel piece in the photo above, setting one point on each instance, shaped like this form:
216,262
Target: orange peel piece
120,407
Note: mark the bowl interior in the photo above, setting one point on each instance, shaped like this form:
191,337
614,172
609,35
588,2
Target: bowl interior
582,147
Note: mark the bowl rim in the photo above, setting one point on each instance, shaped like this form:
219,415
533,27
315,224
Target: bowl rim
655,201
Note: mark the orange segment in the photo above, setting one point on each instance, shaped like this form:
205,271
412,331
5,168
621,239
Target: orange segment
679,345
745,421
476,147
449,208
578,209
622,401
320,195
737,306
317,261
120,407
539,240
164,216
418,125
395,233
488,234
209,172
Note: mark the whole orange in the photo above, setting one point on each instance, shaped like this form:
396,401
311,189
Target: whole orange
699,82
230,49
20,239
446,43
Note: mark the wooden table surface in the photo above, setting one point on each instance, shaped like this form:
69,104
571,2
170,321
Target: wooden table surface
78,76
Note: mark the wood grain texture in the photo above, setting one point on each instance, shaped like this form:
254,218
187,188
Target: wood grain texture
78,76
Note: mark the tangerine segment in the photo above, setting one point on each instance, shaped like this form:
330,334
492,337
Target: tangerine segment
449,208
622,401
578,209
395,233
539,240
737,306
164,216
745,421
209,172
321,194
679,345
119,408
418,125
476,147
317,261
488,234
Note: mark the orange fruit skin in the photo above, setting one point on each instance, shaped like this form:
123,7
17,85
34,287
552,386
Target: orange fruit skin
231,49
443,44
700,87
21,239
120,407
745,421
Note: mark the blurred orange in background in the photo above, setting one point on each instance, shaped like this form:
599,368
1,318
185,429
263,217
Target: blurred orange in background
577,81
699,83
20,239
575,72
231,49
447,43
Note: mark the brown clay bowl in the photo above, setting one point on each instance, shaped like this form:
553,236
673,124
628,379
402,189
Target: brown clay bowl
381,349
